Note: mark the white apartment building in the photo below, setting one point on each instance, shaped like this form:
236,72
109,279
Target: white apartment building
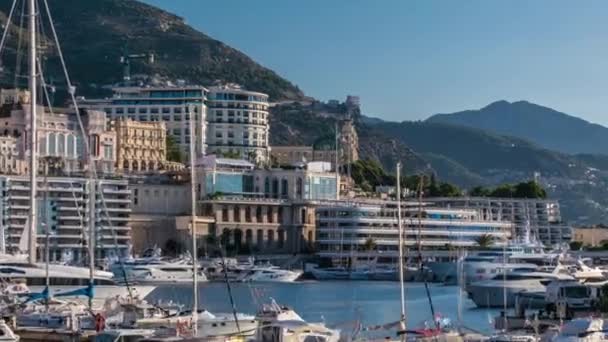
238,123
344,228
63,205
173,105
542,215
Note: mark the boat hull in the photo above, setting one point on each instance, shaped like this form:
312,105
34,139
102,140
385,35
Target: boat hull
493,296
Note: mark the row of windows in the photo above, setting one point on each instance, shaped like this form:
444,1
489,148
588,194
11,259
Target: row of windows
237,97
151,110
245,135
245,114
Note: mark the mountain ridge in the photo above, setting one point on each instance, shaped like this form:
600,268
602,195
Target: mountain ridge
98,32
542,125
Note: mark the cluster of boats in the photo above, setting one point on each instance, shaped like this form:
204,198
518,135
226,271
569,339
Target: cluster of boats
154,269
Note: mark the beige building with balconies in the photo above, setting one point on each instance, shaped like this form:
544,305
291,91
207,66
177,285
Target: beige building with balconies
140,146
11,162
59,133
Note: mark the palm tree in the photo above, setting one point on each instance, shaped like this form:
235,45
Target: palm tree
484,240
369,246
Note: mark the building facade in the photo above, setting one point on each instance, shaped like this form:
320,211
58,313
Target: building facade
174,106
238,123
312,181
11,157
542,216
140,146
59,135
261,224
344,230
68,199
290,155
590,236
269,210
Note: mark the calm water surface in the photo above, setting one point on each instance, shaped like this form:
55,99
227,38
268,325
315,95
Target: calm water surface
338,303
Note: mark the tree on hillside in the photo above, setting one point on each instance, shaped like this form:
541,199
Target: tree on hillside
479,191
484,240
504,190
529,189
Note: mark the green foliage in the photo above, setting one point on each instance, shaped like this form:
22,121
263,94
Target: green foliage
174,153
529,189
230,154
369,245
484,241
479,191
105,27
368,174
576,245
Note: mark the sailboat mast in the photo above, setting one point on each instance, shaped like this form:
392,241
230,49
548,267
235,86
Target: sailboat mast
33,131
193,232
400,226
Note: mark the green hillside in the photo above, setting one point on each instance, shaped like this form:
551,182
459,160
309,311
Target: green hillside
94,34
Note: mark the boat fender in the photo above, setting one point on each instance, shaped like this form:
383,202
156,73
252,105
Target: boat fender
100,322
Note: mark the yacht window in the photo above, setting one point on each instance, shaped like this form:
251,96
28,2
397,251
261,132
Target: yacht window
576,292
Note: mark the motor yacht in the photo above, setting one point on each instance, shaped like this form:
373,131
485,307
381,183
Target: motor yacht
503,288
271,274
579,330
282,324
64,281
163,273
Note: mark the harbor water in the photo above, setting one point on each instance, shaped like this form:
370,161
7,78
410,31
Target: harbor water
339,304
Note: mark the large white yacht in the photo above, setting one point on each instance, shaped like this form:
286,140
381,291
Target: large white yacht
65,279
160,272
271,274
503,288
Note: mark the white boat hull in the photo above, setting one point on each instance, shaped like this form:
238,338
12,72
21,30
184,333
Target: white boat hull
222,325
100,292
487,295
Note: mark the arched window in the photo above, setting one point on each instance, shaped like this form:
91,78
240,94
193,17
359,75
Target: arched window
79,146
60,144
275,188
284,188
267,186
71,149
42,145
299,186
249,237
52,144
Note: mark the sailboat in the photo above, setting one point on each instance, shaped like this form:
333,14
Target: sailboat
45,280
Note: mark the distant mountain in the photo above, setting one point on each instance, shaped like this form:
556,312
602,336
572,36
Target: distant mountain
95,33
492,157
541,125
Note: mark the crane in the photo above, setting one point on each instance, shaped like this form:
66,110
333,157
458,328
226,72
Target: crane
126,58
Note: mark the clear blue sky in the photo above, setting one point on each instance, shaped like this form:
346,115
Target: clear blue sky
410,59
